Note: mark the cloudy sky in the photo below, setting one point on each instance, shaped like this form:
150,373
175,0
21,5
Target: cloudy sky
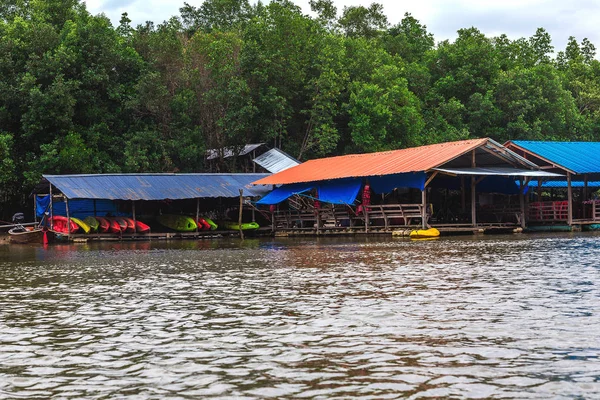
516,18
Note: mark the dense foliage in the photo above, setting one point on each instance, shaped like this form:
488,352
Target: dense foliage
78,95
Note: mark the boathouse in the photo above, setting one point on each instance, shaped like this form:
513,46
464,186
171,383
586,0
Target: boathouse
572,199
451,186
145,195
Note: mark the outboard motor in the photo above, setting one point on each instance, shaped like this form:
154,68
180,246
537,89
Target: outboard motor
18,218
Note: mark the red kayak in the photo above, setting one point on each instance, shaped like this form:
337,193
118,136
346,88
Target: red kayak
141,227
104,224
203,225
114,226
60,224
130,225
121,222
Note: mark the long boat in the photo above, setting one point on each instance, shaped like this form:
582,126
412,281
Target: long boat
22,235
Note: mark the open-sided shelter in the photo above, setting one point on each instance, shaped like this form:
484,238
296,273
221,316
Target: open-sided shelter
580,162
338,180
96,195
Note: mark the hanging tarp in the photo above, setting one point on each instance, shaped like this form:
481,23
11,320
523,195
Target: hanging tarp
284,192
339,191
42,204
387,183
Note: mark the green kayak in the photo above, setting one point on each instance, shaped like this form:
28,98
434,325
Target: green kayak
246,226
92,223
179,223
212,224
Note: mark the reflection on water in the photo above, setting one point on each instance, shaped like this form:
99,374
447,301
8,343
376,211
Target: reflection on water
496,317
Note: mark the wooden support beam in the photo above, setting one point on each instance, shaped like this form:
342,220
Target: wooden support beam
68,216
51,210
473,202
585,194
197,212
522,202
240,215
463,195
424,208
570,200
428,181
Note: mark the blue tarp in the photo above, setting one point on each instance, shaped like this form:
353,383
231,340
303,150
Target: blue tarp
334,191
42,204
339,192
387,183
491,184
81,208
284,192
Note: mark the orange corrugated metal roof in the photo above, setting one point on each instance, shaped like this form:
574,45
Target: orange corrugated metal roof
373,164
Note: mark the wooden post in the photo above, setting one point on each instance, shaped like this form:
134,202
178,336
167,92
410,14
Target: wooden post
522,202
473,201
424,209
539,190
197,213
585,194
35,196
366,211
68,216
463,195
569,200
51,210
241,209
133,214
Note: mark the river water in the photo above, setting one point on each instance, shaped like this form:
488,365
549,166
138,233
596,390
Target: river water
514,316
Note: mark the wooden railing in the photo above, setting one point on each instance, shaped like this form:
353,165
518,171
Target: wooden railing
396,214
549,211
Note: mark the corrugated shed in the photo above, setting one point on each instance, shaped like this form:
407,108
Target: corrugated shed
156,186
414,159
212,154
276,160
577,157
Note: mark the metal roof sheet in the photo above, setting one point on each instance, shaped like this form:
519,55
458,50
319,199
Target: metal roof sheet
563,184
415,159
155,186
276,160
499,171
576,157
211,154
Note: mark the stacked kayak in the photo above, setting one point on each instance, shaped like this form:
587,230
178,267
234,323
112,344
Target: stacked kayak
82,225
93,223
246,226
60,224
180,223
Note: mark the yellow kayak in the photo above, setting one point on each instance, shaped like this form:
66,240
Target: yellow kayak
424,233
84,227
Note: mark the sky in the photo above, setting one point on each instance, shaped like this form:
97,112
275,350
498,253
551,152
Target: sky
515,18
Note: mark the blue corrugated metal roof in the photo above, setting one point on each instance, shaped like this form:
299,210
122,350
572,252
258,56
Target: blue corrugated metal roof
578,157
156,186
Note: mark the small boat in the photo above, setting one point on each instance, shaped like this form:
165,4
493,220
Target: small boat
246,226
424,233
179,223
202,224
103,224
84,227
60,224
121,222
211,223
93,223
22,235
141,227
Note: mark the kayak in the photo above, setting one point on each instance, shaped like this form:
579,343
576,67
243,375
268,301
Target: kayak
60,224
179,223
141,227
246,226
211,223
121,222
92,223
424,233
203,225
130,225
114,226
84,227
103,224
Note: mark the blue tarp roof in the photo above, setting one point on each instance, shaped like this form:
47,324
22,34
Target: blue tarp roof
339,191
578,157
156,186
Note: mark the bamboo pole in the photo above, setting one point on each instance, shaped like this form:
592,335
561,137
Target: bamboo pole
240,216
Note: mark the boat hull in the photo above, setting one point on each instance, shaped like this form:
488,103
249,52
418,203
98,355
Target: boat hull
425,233
179,223
60,224
29,235
246,226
